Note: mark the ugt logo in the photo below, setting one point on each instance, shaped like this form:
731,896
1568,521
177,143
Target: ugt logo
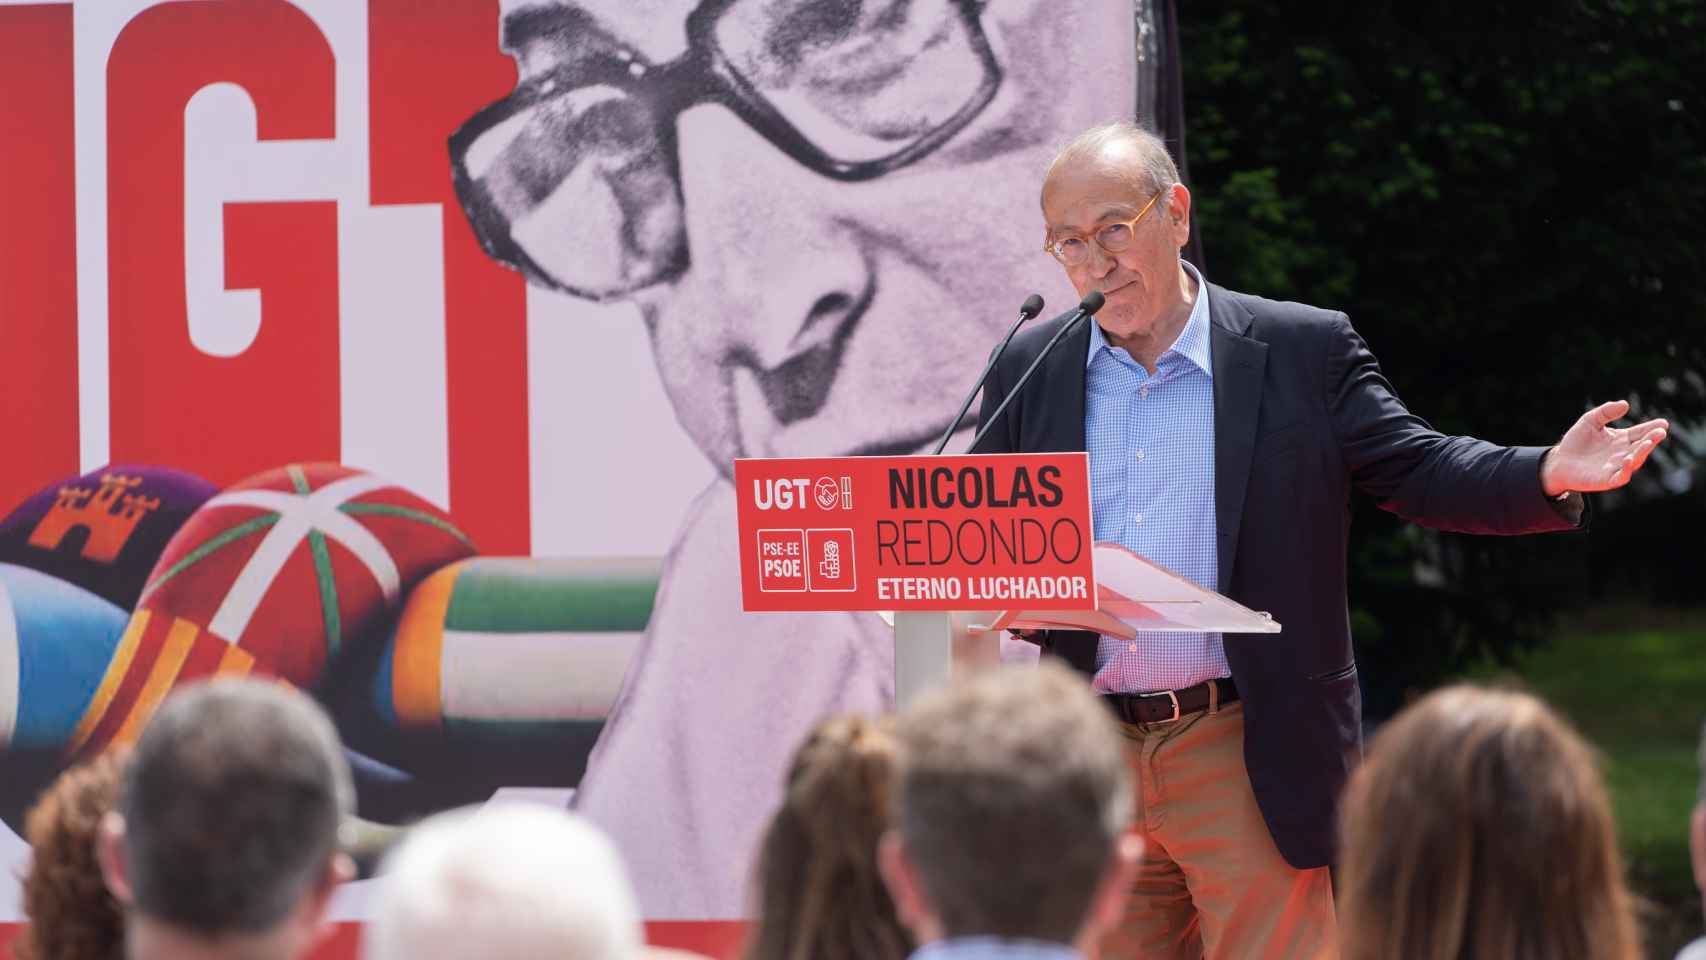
790,493
828,493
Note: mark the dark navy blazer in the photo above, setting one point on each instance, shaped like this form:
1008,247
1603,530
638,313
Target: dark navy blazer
1301,412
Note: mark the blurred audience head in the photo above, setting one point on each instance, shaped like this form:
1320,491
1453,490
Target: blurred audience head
225,841
71,914
1697,827
819,893
510,880
1011,811
1479,826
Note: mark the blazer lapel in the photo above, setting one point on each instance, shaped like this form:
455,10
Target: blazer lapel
1062,400
1239,363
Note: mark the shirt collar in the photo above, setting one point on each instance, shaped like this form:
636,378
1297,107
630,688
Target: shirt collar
1193,339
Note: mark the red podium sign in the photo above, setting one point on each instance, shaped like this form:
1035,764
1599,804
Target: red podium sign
987,532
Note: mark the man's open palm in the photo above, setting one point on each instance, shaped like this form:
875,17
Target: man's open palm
1597,456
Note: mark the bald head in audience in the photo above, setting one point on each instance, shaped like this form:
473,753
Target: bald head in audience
512,880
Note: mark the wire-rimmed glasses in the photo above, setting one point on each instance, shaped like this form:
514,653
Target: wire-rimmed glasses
1073,250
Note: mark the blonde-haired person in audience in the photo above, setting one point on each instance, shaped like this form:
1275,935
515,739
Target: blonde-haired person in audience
512,880
819,893
1697,851
1479,827
71,914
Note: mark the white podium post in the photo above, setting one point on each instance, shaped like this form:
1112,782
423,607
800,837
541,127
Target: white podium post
923,652
930,646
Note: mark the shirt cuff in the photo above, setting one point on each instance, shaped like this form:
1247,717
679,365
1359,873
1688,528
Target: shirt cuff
1569,506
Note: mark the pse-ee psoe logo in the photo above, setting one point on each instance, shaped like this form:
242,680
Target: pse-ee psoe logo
802,560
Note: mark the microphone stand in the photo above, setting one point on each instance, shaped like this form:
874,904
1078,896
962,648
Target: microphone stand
1033,305
1086,308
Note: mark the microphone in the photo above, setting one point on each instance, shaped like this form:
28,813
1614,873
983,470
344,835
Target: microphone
1086,307
1032,306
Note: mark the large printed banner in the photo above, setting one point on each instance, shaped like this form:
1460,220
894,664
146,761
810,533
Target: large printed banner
403,350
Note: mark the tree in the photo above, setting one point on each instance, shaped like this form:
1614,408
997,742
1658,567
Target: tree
1510,202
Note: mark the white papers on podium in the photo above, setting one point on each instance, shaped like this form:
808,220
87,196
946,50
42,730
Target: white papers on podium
1134,594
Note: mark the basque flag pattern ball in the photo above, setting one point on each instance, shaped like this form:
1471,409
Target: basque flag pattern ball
274,576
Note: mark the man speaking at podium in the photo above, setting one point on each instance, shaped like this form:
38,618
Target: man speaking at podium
1224,434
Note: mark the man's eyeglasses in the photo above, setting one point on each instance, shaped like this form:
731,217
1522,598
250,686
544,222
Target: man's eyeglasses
574,178
1073,250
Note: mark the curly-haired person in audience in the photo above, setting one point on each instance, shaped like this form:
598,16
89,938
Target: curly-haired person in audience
71,914
819,892
1479,829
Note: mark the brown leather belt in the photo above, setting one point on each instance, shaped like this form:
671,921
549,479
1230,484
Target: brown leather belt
1167,706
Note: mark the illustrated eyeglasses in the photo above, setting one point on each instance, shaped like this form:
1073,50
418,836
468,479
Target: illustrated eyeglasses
574,178
1073,250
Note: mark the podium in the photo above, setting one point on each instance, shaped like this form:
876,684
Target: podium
952,551
1133,594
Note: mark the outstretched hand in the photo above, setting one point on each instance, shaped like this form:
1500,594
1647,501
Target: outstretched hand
1593,455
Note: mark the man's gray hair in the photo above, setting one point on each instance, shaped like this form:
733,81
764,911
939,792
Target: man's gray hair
1151,168
1013,792
509,880
231,804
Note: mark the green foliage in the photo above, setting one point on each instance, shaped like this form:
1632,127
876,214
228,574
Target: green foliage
1509,202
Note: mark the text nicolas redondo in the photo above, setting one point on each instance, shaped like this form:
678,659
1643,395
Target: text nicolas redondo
940,488
981,541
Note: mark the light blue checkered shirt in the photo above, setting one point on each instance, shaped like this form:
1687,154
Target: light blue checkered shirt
1151,443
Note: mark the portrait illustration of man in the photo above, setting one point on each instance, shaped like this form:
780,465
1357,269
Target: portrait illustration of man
825,213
